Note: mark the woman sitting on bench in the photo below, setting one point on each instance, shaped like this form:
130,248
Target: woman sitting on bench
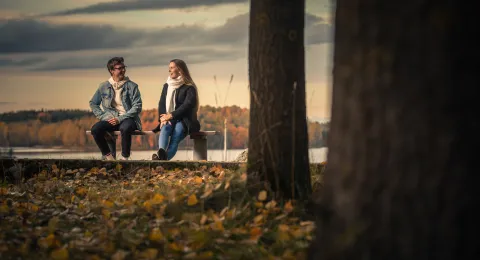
177,110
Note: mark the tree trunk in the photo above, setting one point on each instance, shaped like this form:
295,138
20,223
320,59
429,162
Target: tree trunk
402,174
278,139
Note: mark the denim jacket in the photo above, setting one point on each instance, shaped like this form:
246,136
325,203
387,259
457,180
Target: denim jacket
131,100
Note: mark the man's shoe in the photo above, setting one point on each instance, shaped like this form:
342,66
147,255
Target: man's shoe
155,157
162,154
123,158
108,157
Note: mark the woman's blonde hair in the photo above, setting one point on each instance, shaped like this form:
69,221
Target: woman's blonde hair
182,66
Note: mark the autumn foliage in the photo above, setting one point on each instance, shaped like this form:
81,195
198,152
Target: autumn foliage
66,128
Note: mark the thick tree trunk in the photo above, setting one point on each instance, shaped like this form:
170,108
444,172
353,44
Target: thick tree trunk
402,165
278,141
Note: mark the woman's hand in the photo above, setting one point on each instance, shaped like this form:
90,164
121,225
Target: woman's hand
164,119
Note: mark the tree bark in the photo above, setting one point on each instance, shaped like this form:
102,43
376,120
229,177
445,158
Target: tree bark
402,167
278,139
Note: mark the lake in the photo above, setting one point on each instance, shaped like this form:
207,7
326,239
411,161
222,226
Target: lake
316,155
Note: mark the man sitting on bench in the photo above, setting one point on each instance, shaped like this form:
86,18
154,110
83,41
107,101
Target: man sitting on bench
122,104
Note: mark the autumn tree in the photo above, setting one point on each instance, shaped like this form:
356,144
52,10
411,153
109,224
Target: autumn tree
278,142
402,164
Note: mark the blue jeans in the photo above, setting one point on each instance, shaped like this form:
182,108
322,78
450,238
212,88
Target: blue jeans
174,132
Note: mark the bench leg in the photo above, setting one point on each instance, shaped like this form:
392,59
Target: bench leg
200,148
112,144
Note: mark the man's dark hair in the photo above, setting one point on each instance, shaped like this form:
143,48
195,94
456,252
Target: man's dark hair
112,62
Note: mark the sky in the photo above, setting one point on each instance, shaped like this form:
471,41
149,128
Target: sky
53,53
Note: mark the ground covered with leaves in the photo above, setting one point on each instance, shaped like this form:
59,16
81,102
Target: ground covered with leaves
147,214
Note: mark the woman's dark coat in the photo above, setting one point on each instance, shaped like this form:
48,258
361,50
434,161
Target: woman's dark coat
185,108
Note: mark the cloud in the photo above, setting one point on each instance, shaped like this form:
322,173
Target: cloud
28,36
50,46
141,57
7,103
134,5
10,62
319,33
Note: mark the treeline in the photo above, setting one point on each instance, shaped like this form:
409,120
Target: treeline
66,128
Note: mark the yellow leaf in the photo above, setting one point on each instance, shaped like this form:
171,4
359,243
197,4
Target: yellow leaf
218,226
108,203
156,235
262,195
94,257
175,247
192,200
52,224
198,180
258,219
205,255
3,191
298,233
157,199
150,253
283,232
227,185
106,213
33,207
4,208
288,207
118,167
147,205
255,233
81,191
59,254
50,240
271,204
283,227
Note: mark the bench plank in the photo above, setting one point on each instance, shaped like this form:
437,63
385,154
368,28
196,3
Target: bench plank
199,141
136,132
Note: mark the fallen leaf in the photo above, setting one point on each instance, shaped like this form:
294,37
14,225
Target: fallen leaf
288,207
255,233
203,220
156,235
192,200
262,196
258,219
157,199
198,180
59,254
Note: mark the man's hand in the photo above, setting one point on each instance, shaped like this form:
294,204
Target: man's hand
113,121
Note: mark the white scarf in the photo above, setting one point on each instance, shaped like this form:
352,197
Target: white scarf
173,84
117,100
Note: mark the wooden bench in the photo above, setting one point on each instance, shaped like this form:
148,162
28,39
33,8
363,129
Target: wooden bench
199,141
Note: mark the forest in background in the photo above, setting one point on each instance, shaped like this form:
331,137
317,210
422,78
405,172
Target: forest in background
66,128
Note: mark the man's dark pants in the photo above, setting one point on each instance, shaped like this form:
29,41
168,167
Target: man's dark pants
126,128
